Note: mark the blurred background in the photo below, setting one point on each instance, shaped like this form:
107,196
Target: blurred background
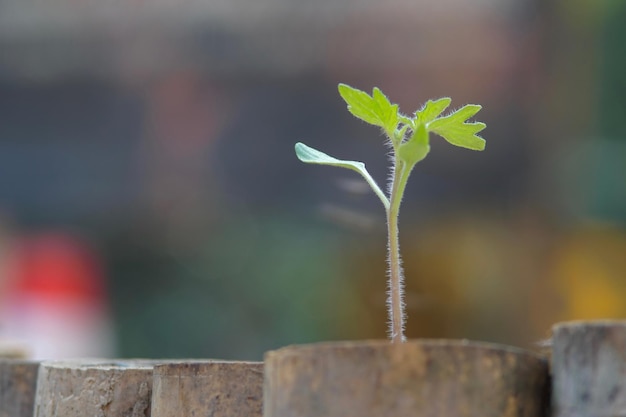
151,204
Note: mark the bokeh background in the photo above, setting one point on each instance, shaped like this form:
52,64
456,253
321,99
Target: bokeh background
151,204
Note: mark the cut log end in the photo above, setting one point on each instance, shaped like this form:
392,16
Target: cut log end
416,378
589,368
215,388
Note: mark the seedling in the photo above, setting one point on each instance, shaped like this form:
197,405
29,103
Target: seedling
408,137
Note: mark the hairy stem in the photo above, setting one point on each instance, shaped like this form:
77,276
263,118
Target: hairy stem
395,287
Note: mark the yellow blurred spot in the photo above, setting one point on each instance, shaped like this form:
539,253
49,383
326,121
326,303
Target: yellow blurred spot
590,274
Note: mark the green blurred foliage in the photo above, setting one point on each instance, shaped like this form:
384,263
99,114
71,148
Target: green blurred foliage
255,284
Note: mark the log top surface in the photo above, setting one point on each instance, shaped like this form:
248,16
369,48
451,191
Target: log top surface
408,345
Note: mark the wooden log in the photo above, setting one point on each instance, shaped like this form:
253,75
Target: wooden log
419,378
18,380
94,389
589,369
211,388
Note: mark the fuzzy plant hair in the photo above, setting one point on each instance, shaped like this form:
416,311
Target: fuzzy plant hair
409,142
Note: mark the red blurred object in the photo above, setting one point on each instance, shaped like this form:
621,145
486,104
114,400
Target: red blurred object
55,298
56,266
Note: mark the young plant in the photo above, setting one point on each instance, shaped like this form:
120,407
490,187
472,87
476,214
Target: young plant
408,137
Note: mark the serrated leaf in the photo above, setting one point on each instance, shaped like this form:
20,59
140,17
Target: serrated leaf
375,109
454,128
432,109
388,112
313,156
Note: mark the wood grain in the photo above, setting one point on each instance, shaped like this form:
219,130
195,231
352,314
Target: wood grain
419,378
94,389
589,369
211,388
18,381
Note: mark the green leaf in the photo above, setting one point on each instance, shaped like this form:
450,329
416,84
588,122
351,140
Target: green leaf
375,109
416,148
455,129
388,112
313,156
432,109
398,135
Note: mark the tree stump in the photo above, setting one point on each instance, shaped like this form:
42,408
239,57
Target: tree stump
419,378
18,380
212,388
94,389
589,369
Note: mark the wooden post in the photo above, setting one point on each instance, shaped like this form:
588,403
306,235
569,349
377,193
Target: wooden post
212,388
94,389
589,369
18,380
419,378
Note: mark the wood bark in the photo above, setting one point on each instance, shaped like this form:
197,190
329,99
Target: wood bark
589,369
419,378
94,389
18,380
212,388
